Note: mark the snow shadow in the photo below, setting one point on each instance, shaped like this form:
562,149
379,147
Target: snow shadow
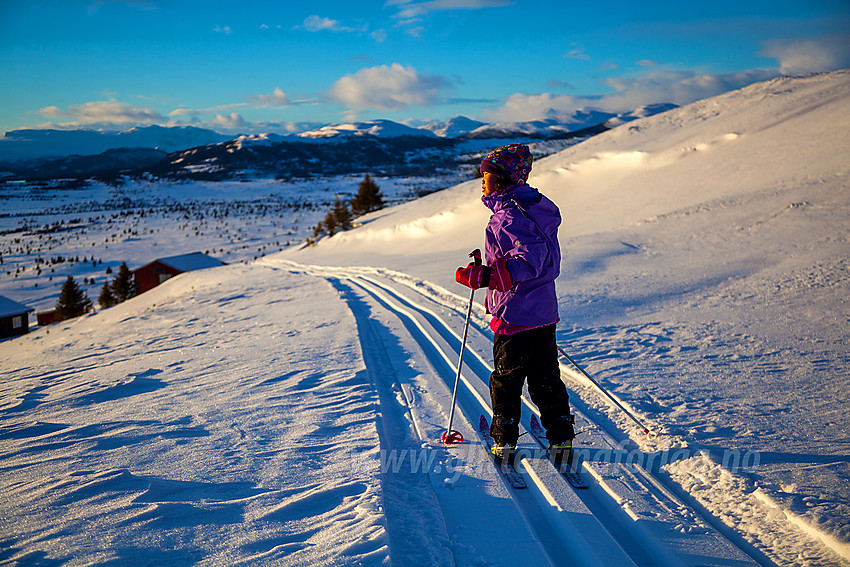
41,438
600,260
28,401
33,430
177,503
140,383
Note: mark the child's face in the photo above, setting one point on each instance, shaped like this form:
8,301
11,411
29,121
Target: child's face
488,184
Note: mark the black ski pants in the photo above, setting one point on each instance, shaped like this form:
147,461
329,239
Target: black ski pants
531,355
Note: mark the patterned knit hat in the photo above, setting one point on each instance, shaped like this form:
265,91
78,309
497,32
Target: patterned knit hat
510,162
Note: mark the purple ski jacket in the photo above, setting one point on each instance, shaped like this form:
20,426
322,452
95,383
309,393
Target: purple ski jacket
524,231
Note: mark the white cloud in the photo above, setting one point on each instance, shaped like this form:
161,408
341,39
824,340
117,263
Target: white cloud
380,36
576,54
388,87
317,23
101,112
210,110
523,107
415,31
678,87
630,93
809,55
223,29
408,9
231,121
277,98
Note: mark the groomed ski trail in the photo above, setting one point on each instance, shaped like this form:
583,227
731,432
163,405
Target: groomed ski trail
630,515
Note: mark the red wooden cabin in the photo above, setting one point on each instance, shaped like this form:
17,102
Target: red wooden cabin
151,275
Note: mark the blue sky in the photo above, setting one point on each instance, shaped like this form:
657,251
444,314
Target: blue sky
278,65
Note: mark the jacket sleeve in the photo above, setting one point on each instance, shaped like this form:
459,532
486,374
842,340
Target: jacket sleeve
521,245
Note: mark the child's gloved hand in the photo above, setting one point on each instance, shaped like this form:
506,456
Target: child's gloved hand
495,276
500,278
473,276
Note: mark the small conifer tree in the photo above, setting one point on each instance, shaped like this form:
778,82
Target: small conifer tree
106,298
124,285
342,214
330,223
72,301
368,198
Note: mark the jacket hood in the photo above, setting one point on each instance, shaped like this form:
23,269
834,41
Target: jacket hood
530,202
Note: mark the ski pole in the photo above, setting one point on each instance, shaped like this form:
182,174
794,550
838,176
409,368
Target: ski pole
648,432
451,436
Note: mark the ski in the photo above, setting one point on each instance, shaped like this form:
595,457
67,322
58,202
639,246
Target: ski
505,467
565,466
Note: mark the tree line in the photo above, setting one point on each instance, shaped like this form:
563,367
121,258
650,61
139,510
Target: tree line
342,214
73,300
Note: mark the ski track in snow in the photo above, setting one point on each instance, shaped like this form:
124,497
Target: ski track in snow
661,478
628,501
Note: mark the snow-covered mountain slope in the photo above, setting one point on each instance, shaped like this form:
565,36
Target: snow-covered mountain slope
453,127
285,412
546,128
379,128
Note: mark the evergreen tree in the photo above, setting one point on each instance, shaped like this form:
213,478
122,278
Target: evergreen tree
342,214
106,298
330,223
368,198
124,285
72,301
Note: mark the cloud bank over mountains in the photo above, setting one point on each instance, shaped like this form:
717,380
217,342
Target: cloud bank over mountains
379,80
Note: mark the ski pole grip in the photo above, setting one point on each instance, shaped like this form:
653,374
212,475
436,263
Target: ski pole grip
476,255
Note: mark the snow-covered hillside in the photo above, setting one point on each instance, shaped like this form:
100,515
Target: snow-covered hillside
285,412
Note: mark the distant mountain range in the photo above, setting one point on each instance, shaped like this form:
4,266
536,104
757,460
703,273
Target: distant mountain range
185,152
18,145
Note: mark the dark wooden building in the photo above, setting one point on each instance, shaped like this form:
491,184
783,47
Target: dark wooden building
14,318
46,318
151,275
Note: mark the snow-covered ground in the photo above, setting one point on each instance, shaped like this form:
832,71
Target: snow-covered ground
137,222
284,411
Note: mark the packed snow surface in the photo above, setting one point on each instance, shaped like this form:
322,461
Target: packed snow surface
285,411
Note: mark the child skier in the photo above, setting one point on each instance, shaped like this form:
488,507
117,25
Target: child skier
522,260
